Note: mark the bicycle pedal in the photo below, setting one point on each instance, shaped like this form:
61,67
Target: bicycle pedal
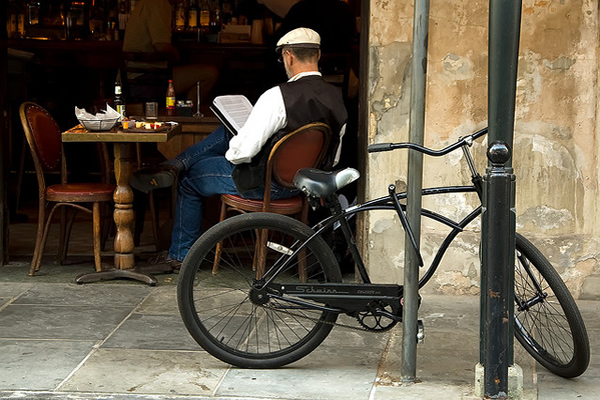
420,331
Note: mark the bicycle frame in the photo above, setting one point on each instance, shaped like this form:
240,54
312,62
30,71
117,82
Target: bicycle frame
392,202
257,319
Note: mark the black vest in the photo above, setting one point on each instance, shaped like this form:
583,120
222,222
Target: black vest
309,99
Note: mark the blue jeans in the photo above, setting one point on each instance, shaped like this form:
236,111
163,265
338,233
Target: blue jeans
206,173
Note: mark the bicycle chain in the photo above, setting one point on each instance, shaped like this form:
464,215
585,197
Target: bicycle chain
360,328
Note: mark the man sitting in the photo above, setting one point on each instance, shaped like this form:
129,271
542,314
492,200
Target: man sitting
206,168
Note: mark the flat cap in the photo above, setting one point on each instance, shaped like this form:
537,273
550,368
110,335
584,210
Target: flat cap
300,37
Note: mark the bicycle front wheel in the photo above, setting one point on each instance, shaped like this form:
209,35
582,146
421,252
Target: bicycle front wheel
228,319
547,321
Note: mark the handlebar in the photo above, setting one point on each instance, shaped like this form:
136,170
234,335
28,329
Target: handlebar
466,140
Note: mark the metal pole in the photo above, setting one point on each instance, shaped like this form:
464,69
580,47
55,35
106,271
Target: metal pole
4,132
415,184
498,217
505,30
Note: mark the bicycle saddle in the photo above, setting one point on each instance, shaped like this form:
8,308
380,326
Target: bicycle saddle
316,183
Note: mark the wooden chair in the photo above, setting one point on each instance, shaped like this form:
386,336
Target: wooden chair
43,136
305,147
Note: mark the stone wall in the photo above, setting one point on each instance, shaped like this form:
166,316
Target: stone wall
555,146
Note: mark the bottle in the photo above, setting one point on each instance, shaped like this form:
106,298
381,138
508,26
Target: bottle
227,12
33,13
11,23
204,14
215,16
171,98
119,101
180,17
123,17
21,12
192,16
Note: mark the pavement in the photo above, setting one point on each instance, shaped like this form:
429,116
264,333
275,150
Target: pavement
125,340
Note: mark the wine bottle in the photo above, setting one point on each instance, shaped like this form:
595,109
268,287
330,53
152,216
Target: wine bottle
171,98
119,101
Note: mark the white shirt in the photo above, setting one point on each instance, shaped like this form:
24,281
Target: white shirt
267,117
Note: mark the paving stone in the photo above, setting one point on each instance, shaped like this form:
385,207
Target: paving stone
11,290
60,322
39,364
162,300
26,395
146,331
91,294
147,372
330,372
555,387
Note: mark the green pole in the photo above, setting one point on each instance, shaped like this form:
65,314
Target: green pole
498,216
415,185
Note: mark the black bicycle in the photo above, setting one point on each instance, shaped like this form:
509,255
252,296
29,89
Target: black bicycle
262,290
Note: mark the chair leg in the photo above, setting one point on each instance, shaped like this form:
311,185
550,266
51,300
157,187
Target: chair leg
47,224
62,235
154,216
106,224
140,204
97,236
302,275
20,173
302,254
304,212
67,236
218,249
261,253
37,251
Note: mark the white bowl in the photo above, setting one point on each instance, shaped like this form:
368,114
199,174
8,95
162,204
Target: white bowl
98,125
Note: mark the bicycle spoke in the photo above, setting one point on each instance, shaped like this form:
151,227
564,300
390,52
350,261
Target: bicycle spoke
227,313
547,321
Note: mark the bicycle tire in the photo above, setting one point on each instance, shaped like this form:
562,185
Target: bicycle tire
550,329
216,307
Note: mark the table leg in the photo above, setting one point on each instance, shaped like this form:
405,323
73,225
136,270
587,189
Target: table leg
124,216
123,197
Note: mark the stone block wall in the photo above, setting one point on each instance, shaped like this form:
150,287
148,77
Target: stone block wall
555,143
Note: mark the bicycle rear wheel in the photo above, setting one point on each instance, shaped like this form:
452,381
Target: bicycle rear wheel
547,321
227,318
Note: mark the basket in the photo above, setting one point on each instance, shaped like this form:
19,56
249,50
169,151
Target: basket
98,125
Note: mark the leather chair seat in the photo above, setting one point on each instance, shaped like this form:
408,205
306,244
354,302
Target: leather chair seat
76,192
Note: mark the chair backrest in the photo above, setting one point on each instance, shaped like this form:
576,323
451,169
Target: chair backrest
43,136
305,147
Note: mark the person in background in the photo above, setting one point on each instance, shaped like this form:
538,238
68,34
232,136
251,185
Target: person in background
149,31
207,168
332,19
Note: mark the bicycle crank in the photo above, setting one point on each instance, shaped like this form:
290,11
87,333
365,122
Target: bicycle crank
378,317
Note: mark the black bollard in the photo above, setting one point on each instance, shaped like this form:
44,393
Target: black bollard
498,257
